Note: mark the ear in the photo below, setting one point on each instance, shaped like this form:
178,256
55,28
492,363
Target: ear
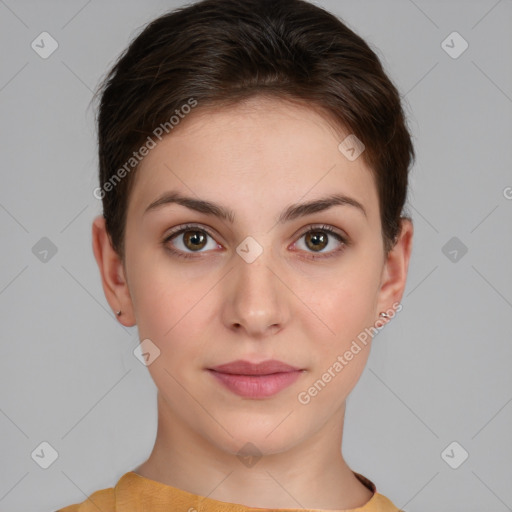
115,285
394,273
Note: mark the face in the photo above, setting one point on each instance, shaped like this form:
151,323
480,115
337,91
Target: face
267,281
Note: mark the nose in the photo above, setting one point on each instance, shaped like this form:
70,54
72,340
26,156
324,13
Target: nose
255,298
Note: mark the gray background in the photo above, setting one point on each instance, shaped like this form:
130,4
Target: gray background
439,372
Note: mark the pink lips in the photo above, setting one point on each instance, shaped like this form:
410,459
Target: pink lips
256,380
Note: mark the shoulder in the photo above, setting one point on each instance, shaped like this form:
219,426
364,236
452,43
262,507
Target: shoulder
103,500
378,502
381,503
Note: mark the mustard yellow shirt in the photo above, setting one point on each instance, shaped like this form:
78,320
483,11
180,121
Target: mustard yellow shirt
135,493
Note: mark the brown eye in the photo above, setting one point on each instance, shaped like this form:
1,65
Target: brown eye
187,240
316,240
194,240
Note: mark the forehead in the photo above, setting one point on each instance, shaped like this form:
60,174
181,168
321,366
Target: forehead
263,150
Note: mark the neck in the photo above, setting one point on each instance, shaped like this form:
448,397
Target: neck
310,475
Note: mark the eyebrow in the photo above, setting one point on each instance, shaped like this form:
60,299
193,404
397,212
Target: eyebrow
292,212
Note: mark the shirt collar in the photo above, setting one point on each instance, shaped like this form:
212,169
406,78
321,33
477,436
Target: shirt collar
136,493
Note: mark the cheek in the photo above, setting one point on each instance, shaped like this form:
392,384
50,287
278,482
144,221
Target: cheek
166,308
340,352
346,302
173,308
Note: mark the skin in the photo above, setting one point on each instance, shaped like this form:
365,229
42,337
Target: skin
255,158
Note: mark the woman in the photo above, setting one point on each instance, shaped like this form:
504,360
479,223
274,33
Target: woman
254,163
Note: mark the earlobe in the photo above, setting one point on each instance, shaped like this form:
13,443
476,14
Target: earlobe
111,269
394,275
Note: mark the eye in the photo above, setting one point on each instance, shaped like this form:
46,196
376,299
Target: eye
317,238
189,238
192,238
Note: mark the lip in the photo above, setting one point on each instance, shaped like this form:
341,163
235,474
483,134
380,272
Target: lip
242,367
256,380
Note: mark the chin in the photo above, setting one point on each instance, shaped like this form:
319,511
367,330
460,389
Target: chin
253,441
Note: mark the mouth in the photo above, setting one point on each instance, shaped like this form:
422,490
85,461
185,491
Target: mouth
259,380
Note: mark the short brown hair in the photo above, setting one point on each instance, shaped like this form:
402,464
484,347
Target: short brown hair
220,52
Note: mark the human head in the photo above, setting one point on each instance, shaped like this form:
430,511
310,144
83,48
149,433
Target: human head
271,89
280,48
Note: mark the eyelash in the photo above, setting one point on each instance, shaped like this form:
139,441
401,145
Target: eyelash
313,227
